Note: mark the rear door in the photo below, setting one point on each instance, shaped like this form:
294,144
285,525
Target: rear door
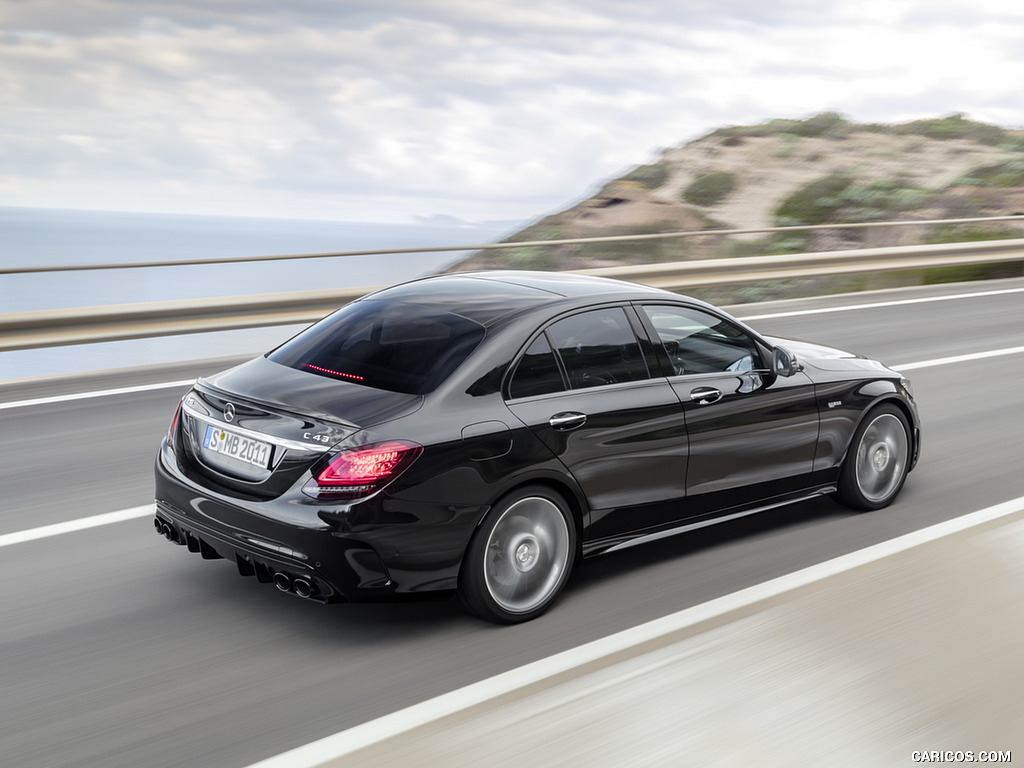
585,388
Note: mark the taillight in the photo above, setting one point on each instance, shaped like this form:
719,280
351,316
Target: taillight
174,425
363,471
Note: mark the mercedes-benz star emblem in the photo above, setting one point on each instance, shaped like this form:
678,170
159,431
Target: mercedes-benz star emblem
229,412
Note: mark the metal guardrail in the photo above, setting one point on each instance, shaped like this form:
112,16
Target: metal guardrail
50,328
689,233
85,325
692,274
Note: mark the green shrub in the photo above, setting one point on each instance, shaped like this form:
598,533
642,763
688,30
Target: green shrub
967,233
836,199
814,203
710,188
796,244
880,200
1010,174
651,176
833,125
825,124
955,126
972,272
972,233
635,251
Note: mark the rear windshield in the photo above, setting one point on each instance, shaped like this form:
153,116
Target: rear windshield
385,345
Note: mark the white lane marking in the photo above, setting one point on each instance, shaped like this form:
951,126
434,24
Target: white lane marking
958,359
98,393
880,304
326,751
80,524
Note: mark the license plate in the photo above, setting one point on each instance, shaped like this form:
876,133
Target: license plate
228,443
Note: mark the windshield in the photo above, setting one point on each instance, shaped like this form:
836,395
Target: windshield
385,345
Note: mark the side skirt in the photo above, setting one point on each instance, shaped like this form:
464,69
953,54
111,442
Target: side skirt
618,543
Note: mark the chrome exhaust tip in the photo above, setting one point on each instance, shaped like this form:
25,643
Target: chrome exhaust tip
302,588
169,533
283,581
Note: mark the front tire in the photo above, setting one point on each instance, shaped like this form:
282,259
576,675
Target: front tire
877,461
519,558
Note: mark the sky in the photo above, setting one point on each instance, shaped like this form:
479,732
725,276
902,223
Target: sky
399,111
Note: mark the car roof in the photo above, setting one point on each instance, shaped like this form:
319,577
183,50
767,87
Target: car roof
486,297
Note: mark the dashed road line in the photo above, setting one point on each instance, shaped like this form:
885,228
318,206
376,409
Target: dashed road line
98,393
81,524
881,304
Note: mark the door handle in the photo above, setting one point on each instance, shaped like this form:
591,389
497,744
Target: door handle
567,420
705,395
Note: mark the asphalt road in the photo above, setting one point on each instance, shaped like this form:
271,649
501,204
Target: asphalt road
118,649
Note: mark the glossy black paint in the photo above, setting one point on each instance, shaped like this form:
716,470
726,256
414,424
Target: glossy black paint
633,459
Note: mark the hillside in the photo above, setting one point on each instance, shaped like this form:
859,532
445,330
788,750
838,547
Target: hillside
786,172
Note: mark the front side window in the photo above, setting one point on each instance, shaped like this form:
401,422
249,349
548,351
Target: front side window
598,347
700,342
385,345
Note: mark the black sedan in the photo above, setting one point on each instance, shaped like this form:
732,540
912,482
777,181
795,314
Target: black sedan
478,433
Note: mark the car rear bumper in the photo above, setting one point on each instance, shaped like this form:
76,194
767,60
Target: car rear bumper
347,571
288,545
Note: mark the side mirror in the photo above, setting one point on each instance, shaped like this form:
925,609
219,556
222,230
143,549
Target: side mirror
784,363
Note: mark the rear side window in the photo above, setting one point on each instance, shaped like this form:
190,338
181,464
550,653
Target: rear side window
385,345
537,372
598,347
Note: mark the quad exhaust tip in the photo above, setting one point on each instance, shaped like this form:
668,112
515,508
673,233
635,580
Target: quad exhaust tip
300,587
166,530
283,581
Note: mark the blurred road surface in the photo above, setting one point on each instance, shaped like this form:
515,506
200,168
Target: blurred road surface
893,659
117,649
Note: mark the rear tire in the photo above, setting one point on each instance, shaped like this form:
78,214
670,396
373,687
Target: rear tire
877,460
519,558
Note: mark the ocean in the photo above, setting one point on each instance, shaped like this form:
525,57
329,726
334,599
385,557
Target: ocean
37,237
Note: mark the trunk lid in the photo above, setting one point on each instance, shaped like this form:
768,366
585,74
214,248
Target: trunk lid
255,429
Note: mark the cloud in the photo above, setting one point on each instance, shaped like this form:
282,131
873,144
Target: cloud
389,109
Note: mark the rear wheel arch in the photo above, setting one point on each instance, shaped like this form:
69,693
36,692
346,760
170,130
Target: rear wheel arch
572,496
569,496
521,554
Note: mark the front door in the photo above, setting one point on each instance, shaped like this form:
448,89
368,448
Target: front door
752,435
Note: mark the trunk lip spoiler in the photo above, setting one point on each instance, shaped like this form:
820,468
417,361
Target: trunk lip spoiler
283,442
